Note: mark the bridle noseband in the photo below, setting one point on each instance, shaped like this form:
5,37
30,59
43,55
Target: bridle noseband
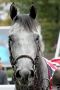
25,56
20,57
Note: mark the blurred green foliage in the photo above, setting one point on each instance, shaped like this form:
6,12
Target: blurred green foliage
9,72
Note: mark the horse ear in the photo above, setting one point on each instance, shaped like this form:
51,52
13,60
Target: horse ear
13,11
33,12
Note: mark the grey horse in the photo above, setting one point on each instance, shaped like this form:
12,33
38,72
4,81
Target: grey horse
26,47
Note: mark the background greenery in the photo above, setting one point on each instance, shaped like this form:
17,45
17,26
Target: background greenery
9,72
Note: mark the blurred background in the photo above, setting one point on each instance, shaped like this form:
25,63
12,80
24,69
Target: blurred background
48,15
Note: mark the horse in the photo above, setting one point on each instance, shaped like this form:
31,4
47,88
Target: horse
26,48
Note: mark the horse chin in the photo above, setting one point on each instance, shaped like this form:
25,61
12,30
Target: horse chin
26,87
30,83
27,84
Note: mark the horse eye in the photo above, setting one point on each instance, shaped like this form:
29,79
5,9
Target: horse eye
32,73
37,38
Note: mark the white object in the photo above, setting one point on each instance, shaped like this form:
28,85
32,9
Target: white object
58,47
7,87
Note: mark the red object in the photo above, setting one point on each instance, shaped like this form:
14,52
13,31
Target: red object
51,83
54,64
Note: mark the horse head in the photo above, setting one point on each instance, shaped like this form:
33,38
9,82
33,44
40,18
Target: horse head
23,45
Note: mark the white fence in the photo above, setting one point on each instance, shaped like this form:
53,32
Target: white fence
58,47
7,87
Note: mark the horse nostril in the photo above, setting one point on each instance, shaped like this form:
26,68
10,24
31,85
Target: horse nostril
32,73
18,74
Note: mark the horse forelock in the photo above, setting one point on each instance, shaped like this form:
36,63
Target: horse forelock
24,22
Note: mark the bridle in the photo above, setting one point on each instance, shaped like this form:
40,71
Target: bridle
14,61
34,61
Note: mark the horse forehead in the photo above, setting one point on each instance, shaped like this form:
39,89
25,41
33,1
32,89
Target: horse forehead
23,37
27,41
24,44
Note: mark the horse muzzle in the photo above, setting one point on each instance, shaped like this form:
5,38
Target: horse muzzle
24,76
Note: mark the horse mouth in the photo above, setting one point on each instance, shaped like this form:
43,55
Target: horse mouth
24,87
28,83
25,83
